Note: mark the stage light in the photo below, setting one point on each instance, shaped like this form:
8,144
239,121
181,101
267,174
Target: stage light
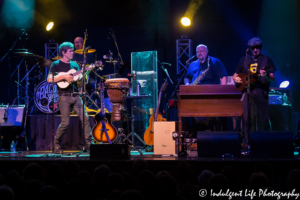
185,21
284,84
49,26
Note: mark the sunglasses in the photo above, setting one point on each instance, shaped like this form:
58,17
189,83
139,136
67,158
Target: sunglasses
255,47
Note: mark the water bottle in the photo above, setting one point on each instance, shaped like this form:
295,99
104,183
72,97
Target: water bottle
13,147
284,100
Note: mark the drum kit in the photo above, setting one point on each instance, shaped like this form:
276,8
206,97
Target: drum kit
116,87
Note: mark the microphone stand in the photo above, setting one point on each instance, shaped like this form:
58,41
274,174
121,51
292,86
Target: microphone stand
248,96
83,82
53,112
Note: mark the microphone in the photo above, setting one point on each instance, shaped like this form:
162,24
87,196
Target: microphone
131,75
107,56
190,59
24,33
164,63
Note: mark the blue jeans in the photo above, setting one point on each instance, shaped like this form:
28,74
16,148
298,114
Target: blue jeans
65,103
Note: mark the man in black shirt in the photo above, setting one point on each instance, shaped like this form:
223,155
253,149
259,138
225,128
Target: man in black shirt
68,96
259,88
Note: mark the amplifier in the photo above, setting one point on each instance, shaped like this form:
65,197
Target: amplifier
275,99
12,116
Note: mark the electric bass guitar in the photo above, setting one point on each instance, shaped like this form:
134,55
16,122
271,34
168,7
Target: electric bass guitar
241,86
149,133
75,74
103,131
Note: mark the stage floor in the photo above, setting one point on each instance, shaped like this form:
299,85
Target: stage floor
77,155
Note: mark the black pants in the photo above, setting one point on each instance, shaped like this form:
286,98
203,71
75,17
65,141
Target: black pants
259,110
64,105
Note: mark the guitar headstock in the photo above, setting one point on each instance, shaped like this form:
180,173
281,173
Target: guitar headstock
164,86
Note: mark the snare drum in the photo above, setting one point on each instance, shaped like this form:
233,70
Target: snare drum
43,97
116,89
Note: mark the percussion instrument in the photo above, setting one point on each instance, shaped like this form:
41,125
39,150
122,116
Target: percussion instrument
43,97
56,58
80,51
117,88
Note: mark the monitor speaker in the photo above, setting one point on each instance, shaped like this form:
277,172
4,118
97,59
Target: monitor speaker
272,143
111,151
12,116
218,143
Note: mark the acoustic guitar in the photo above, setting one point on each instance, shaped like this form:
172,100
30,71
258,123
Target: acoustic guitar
76,74
103,131
149,133
241,86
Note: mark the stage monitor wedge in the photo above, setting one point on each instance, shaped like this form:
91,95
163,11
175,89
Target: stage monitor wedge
110,151
12,116
218,143
271,143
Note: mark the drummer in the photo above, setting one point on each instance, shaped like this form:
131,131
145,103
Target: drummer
90,57
78,58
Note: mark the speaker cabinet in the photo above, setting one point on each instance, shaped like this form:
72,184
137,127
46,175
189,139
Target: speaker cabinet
163,140
218,143
13,116
111,151
271,143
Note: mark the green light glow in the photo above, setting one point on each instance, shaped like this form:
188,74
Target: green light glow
18,14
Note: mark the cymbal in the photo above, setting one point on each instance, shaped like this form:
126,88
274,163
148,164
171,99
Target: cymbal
44,62
24,53
56,58
86,51
111,61
23,49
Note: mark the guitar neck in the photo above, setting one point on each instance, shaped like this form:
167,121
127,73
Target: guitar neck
102,103
157,106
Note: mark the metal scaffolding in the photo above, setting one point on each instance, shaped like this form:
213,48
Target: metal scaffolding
183,52
51,51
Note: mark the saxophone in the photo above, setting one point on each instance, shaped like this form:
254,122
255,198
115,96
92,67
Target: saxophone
200,77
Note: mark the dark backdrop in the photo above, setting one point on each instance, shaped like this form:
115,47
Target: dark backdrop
143,25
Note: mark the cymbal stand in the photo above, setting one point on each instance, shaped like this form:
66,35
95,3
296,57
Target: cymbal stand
123,110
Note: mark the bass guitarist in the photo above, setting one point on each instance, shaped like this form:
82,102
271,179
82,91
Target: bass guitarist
259,87
68,96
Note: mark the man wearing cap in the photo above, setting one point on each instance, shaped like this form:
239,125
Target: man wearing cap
262,67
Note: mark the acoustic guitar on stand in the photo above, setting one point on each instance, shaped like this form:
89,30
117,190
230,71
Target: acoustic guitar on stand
149,133
103,131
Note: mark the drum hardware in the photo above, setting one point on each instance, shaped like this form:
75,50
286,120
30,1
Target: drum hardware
43,97
111,76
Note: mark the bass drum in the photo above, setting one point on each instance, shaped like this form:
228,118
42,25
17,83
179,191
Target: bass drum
43,97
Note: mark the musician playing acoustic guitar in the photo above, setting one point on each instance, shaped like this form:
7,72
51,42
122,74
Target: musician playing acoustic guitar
259,87
68,96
